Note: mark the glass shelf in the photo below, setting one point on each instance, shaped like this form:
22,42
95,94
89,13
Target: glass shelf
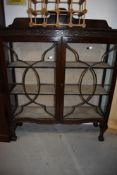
35,112
83,112
52,64
49,89
42,64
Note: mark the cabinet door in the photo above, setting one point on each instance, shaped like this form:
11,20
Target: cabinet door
88,87
31,74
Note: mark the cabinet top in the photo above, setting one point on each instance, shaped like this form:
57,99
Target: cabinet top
23,23
96,31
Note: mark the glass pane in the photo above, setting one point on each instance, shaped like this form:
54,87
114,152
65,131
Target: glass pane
88,75
31,75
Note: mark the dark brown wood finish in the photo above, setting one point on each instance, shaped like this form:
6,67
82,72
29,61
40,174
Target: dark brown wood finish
4,131
2,14
97,31
60,78
114,79
5,116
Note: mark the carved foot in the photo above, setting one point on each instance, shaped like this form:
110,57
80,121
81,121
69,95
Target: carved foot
13,137
95,124
101,138
103,128
19,124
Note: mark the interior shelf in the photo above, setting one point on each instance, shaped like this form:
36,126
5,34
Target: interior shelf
72,89
41,64
83,112
52,64
83,65
35,112
49,89
45,89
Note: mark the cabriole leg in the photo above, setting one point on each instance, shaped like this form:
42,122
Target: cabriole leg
13,134
95,124
103,128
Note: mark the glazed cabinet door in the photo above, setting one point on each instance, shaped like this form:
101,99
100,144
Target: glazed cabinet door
89,81
31,72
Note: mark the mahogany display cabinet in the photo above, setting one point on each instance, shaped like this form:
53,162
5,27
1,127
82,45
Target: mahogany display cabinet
56,75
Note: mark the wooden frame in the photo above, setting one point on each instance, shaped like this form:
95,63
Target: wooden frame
19,31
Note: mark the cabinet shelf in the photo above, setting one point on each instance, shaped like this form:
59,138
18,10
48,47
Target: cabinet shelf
49,89
32,89
101,65
81,113
35,112
72,89
41,64
52,64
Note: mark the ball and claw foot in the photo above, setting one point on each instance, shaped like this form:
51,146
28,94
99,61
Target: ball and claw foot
101,138
19,124
13,137
95,124
103,128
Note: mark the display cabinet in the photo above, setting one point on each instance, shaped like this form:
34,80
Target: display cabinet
58,74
